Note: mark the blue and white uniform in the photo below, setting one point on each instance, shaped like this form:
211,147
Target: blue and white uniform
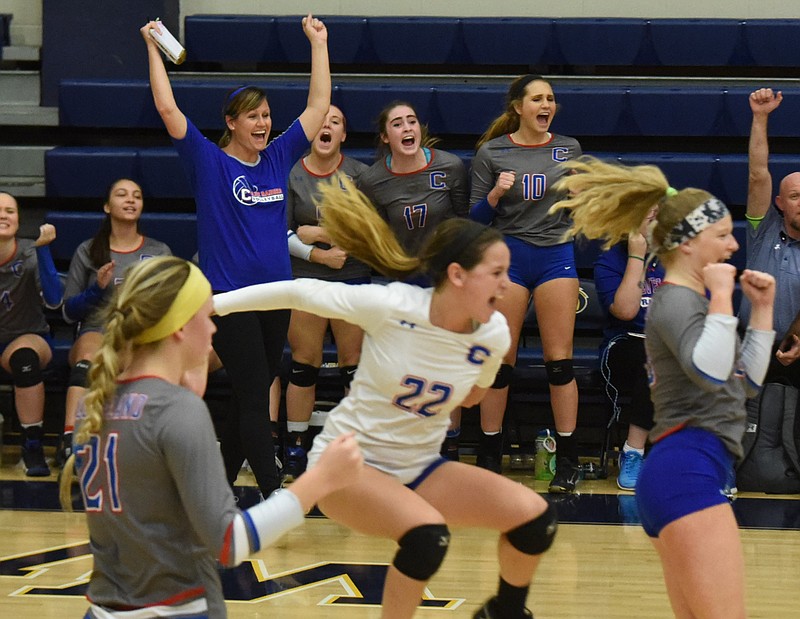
411,374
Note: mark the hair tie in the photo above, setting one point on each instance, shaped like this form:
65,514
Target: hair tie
671,192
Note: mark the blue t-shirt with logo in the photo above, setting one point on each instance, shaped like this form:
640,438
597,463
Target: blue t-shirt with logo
241,208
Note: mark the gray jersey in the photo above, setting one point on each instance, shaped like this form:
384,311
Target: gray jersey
301,210
415,203
522,211
681,394
82,273
157,501
20,294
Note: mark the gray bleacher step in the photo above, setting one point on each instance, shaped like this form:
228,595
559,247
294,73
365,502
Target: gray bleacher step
28,114
20,53
20,87
23,186
25,160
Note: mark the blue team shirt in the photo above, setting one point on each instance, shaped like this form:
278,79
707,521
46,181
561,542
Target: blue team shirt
609,269
241,208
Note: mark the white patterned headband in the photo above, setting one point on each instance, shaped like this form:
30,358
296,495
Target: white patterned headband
709,212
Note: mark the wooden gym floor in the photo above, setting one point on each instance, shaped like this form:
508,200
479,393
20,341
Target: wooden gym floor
601,566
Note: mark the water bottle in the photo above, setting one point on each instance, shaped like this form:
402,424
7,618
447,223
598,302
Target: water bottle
544,466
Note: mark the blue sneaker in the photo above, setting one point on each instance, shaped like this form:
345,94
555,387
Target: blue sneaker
630,463
296,462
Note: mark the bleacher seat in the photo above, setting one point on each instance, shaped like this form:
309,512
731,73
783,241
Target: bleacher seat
631,110
5,26
696,42
600,41
515,41
178,230
87,171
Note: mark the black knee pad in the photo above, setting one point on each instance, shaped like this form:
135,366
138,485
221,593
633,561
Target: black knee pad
422,551
559,372
79,374
25,368
303,375
347,372
535,536
503,377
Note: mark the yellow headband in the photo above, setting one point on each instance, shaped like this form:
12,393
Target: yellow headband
190,298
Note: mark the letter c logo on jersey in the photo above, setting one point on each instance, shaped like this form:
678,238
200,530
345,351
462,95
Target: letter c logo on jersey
478,354
438,180
560,154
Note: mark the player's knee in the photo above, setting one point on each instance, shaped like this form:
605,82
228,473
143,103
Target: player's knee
422,550
347,372
25,369
561,372
79,374
303,375
503,377
535,536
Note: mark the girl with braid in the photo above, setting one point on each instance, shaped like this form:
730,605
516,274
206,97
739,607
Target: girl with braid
513,173
699,372
425,352
156,538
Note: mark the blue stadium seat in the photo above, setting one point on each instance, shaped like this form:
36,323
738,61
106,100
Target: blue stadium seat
673,111
591,110
600,41
348,40
178,230
508,40
233,38
467,109
773,42
362,103
732,174
5,26
695,42
87,172
416,40
783,122
161,174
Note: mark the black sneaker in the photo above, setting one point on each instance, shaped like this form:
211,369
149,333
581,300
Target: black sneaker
450,449
568,473
64,449
489,611
33,461
490,452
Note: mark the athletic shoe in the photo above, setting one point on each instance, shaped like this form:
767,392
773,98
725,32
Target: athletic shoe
630,463
568,473
296,461
489,611
450,449
33,461
730,490
64,449
278,457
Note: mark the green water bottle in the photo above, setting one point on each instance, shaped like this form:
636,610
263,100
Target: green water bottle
544,466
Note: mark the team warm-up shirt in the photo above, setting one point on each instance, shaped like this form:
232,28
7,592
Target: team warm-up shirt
522,211
157,501
682,395
411,373
302,211
83,274
609,269
20,294
241,208
415,203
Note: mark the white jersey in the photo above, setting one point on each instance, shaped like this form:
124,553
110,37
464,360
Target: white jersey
411,374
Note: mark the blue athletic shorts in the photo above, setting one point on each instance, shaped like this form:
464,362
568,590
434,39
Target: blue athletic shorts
684,473
532,265
47,337
428,470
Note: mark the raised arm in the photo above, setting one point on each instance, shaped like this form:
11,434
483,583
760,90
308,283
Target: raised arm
759,189
319,87
174,119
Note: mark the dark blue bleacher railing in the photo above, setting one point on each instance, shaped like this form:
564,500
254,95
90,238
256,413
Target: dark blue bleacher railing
526,41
